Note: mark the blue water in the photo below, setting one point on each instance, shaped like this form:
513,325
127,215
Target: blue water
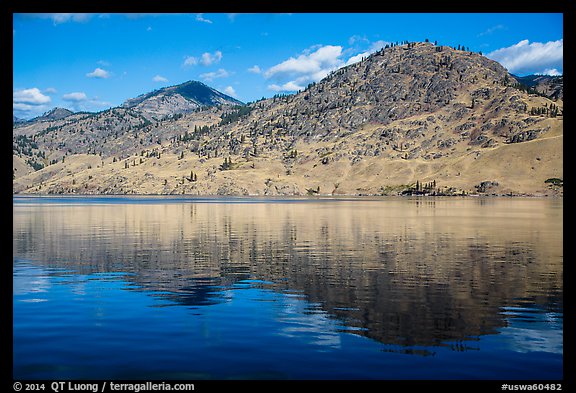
350,289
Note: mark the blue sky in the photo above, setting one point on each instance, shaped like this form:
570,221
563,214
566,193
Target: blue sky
96,61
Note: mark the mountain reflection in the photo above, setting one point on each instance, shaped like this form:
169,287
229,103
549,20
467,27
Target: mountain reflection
400,271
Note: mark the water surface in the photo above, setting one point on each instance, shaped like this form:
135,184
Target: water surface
249,288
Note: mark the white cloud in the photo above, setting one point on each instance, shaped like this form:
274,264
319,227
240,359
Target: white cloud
27,103
159,78
50,90
27,111
24,108
74,17
255,69
550,72
357,38
210,76
58,18
357,58
98,73
313,64
79,101
230,91
288,86
491,30
206,59
90,105
190,61
374,47
209,58
529,58
377,45
200,18
325,57
75,97
31,96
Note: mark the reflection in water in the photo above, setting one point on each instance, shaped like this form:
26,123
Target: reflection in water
408,273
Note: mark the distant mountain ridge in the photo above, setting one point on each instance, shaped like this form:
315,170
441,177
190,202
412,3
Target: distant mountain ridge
55,113
17,120
549,86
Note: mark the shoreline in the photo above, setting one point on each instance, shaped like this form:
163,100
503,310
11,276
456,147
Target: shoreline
318,196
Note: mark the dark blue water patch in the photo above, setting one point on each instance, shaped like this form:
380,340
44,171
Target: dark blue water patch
97,326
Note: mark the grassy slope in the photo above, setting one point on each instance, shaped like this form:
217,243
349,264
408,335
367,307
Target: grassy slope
519,168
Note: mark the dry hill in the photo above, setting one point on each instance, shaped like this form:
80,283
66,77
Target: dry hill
411,118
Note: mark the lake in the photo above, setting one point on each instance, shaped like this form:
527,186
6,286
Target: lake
287,288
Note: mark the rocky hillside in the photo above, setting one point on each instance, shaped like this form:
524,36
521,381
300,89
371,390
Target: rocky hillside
412,118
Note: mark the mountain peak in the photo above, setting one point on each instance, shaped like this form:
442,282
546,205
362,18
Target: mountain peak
182,98
56,113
